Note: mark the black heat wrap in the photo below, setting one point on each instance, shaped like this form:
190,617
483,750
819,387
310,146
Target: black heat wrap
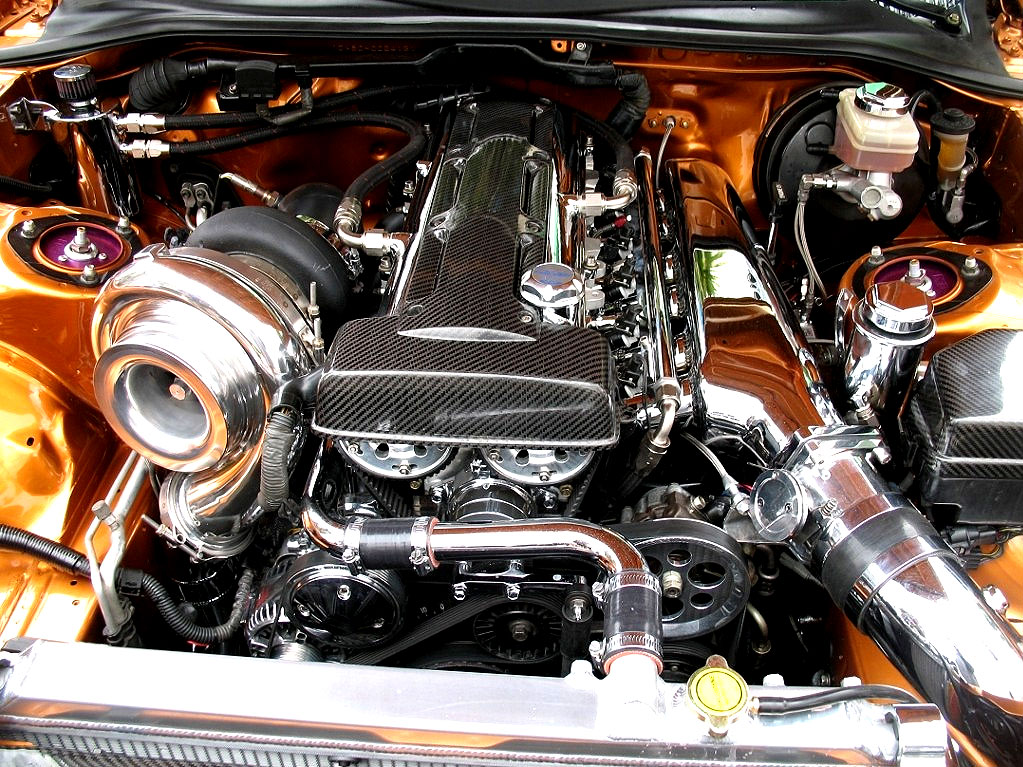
278,442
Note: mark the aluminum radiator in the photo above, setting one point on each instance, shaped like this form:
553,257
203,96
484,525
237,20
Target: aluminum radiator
96,706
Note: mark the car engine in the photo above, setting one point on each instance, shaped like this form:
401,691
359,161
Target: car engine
527,376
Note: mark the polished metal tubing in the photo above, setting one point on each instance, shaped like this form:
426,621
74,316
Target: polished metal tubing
933,624
535,538
630,595
754,378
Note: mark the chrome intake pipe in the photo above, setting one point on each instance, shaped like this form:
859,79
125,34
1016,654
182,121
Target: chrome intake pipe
191,346
630,595
754,379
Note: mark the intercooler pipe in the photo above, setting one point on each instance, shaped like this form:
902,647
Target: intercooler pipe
631,595
754,377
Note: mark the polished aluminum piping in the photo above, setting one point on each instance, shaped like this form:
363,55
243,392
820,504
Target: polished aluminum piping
630,595
755,380
535,538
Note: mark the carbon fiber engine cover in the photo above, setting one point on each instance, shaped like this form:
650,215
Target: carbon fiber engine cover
460,359
965,427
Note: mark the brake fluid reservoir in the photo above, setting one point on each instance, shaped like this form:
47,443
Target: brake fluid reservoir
874,130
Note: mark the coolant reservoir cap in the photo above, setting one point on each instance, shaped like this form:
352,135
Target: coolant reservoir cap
717,692
898,307
882,99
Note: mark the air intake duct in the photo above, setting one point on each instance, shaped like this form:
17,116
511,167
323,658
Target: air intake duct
879,558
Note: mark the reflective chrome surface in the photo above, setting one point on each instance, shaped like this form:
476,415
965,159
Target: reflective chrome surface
290,713
191,346
889,329
536,537
752,373
396,460
753,377
538,466
933,623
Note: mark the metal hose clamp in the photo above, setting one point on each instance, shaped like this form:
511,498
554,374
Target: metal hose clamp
420,557
352,535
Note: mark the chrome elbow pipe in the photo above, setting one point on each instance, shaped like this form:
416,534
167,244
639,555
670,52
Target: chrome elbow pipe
630,595
753,378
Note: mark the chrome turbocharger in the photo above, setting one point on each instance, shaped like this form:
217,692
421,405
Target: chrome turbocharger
192,344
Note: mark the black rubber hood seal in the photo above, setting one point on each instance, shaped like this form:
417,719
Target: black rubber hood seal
860,29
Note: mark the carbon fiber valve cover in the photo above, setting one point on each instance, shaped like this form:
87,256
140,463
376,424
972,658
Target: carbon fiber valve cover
965,428
460,358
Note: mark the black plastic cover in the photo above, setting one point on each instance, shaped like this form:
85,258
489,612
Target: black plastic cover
965,427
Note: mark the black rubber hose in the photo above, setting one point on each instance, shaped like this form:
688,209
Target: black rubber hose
183,626
26,188
629,113
51,552
778,706
624,156
69,560
382,171
278,442
162,85
267,132
239,119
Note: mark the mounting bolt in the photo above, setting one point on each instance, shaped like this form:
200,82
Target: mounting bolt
179,389
512,591
970,266
671,584
876,256
458,591
89,275
525,318
29,228
123,225
544,475
344,592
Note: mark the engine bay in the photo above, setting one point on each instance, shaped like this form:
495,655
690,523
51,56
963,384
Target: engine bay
503,359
